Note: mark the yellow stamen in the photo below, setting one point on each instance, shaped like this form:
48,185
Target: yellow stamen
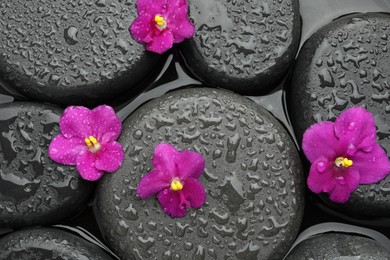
176,185
343,162
92,144
160,21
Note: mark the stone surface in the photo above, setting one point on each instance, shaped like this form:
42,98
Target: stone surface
345,64
33,189
73,51
48,243
339,246
253,179
245,46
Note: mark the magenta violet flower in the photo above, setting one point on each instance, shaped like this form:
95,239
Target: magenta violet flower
344,154
87,140
175,180
160,23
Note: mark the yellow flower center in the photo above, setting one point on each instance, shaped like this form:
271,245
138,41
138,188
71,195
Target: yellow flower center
160,21
176,185
343,162
92,144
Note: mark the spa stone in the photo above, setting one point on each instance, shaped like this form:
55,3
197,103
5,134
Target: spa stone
48,243
34,190
339,246
244,46
345,64
253,179
71,52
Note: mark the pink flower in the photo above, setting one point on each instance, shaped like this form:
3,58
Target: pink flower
161,23
175,180
344,154
87,140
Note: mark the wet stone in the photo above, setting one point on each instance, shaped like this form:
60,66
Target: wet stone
71,52
48,243
253,178
339,246
244,46
345,64
34,190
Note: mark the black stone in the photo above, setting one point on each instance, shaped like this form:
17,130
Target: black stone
34,190
48,243
345,64
253,179
339,246
71,51
244,46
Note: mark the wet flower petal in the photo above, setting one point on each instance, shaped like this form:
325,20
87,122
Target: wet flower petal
110,158
321,177
105,123
152,183
66,150
141,29
357,127
373,166
75,122
194,192
189,164
345,187
174,26
320,141
86,167
164,159
161,42
171,203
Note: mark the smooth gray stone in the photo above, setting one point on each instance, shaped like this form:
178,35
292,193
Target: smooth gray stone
244,46
69,52
345,64
340,246
48,243
34,190
253,178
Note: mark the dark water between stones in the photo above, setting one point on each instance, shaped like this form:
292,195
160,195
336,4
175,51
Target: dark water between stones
314,13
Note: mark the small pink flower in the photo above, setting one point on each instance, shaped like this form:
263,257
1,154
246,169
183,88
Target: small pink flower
161,23
344,154
87,140
175,180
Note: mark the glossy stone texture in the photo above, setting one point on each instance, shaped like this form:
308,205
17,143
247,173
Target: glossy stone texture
71,51
345,64
253,179
339,246
245,46
48,243
34,190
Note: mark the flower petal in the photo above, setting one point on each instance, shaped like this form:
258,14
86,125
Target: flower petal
171,203
189,164
161,43
194,192
373,166
141,29
86,167
110,157
150,6
344,188
319,140
321,176
66,150
181,26
356,126
164,159
152,183
75,122
173,5
106,126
